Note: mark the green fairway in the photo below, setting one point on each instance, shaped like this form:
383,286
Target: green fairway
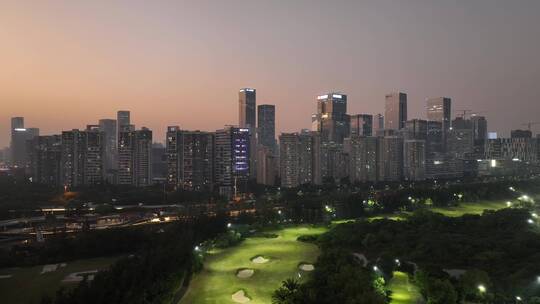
403,291
218,281
470,208
28,285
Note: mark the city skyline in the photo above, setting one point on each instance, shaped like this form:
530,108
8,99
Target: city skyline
61,71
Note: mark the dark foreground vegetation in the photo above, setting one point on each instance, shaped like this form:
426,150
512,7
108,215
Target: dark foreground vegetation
155,273
494,258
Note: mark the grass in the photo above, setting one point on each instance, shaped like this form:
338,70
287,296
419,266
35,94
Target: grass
403,291
217,281
28,285
470,208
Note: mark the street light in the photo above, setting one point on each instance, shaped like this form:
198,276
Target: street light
508,204
375,268
530,221
481,288
229,225
518,298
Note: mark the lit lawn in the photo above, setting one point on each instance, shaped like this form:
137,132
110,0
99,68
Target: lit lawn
217,281
28,285
403,291
470,208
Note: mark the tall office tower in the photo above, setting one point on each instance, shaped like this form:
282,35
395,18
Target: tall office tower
190,156
521,134
108,127
414,160
395,114
334,161
82,157
479,127
123,120
390,156
361,125
159,164
289,159
416,129
440,109
331,119
232,155
135,157
266,166
45,153
247,101
266,126
538,148
19,137
362,153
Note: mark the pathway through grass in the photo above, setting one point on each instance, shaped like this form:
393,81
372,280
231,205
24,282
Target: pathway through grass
403,291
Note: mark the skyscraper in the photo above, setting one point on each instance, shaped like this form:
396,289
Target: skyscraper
440,109
247,101
416,129
298,158
361,125
331,119
395,114
266,125
378,125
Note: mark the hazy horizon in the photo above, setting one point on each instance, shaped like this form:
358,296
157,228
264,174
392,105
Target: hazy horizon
66,64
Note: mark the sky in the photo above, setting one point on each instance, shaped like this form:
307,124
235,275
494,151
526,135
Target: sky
66,64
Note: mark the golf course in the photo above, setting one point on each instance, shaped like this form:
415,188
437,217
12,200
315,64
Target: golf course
403,291
253,270
29,284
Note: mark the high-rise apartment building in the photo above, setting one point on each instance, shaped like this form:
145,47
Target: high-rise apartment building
390,156
247,102
82,157
232,160
361,125
190,159
45,154
378,125
266,166
363,160
108,127
299,159
135,157
331,120
414,159
395,114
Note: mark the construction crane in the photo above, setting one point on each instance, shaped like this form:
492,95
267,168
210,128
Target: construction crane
530,124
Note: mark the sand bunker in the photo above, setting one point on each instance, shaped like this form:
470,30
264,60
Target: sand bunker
6,276
306,267
79,276
245,273
240,297
260,260
49,268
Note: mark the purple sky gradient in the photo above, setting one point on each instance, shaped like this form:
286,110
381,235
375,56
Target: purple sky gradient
65,64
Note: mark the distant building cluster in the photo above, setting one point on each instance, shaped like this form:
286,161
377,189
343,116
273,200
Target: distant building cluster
338,147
